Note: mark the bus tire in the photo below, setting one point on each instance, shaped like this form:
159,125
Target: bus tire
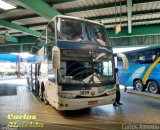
153,87
37,88
138,85
42,91
45,99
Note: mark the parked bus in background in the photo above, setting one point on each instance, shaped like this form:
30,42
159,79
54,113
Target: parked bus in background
74,64
144,69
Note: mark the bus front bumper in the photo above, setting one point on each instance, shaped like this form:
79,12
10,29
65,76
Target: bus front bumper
80,103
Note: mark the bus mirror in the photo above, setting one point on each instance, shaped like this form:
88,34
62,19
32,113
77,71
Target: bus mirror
55,58
124,59
99,56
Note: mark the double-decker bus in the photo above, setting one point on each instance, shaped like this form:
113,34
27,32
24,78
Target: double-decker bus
74,64
144,69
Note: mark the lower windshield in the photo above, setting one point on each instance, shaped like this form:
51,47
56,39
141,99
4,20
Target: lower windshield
83,67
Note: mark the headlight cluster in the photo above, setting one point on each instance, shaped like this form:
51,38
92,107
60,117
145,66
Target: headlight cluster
111,92
67,95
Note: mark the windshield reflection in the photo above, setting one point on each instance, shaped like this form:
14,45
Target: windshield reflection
84,32
88,68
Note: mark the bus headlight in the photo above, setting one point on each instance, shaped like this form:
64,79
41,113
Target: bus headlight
67,95
111,92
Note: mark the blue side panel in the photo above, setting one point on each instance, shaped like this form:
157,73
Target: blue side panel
9,57
126,77
35,59
155,74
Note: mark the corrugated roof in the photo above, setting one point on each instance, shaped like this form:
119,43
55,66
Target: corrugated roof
143,13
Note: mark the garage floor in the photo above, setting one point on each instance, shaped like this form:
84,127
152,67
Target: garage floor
135,109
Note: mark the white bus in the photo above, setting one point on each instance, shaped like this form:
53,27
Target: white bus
74,64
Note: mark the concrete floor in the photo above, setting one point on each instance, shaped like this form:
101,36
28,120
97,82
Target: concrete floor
135,110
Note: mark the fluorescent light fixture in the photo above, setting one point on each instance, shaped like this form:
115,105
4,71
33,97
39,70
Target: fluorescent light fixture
6,6
121,49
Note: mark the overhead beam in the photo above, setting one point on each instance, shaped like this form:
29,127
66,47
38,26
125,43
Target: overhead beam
9,38
2,15
63,1
99,6
129,12
124,14
13,44
66,1
41,8
92,7
22,17
135,21
27,39
19,28
136,31
144,1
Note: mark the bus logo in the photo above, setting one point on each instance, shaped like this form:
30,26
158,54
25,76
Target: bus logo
101,89
92,93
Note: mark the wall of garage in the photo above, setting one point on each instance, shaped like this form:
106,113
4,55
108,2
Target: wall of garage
136,41
15,48
9,48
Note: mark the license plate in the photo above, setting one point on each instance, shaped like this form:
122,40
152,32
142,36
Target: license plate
92,102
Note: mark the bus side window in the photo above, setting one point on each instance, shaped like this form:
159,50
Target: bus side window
51,75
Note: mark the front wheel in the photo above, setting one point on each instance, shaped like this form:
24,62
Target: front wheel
138,85
153,87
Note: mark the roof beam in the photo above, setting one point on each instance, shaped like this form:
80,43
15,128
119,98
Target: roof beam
19,28
143,1
41,8
9,38
100,6
124,14
22,17
129,12
66,1
27,39
136,31
92,7
134,21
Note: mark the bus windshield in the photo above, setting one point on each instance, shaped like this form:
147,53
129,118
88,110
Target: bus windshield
85,67
84,32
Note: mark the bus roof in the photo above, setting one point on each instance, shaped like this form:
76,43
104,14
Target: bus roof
143,49
76,18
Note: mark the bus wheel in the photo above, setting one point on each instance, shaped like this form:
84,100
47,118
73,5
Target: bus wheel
37,89
45,99
42,91
153,87
138,85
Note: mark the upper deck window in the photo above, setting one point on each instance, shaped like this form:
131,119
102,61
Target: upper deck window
95,34
71,30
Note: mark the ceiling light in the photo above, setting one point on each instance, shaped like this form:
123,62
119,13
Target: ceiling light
6,6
